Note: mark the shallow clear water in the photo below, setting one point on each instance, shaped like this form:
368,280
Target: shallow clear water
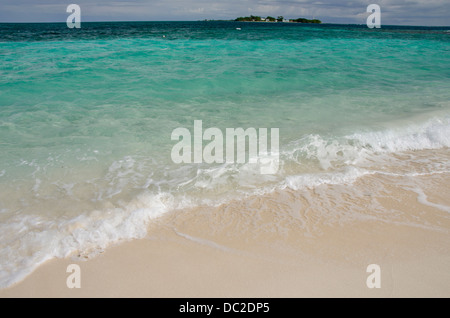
86,118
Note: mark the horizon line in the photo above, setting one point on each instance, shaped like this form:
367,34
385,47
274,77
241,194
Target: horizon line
222,20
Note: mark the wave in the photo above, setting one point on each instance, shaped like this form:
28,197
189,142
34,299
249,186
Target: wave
88,234
357,147
311,161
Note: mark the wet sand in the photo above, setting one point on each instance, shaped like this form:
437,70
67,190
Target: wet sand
306,243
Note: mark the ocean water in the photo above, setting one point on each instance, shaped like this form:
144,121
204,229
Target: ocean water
86,117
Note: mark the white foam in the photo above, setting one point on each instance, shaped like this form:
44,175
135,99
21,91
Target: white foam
332,153
433,134
349,175
206,242
423,198
28,241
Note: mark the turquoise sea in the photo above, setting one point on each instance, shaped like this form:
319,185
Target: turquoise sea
86,117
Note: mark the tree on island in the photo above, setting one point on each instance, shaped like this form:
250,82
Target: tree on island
251,18
303,20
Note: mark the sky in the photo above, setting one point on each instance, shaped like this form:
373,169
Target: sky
393,12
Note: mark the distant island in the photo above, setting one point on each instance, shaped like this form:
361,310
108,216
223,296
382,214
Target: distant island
254,18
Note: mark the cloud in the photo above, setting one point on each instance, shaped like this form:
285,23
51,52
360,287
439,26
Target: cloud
418,12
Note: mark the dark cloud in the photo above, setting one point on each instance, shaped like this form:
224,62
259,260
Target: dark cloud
418,12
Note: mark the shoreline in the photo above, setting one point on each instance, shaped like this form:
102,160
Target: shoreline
248,249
